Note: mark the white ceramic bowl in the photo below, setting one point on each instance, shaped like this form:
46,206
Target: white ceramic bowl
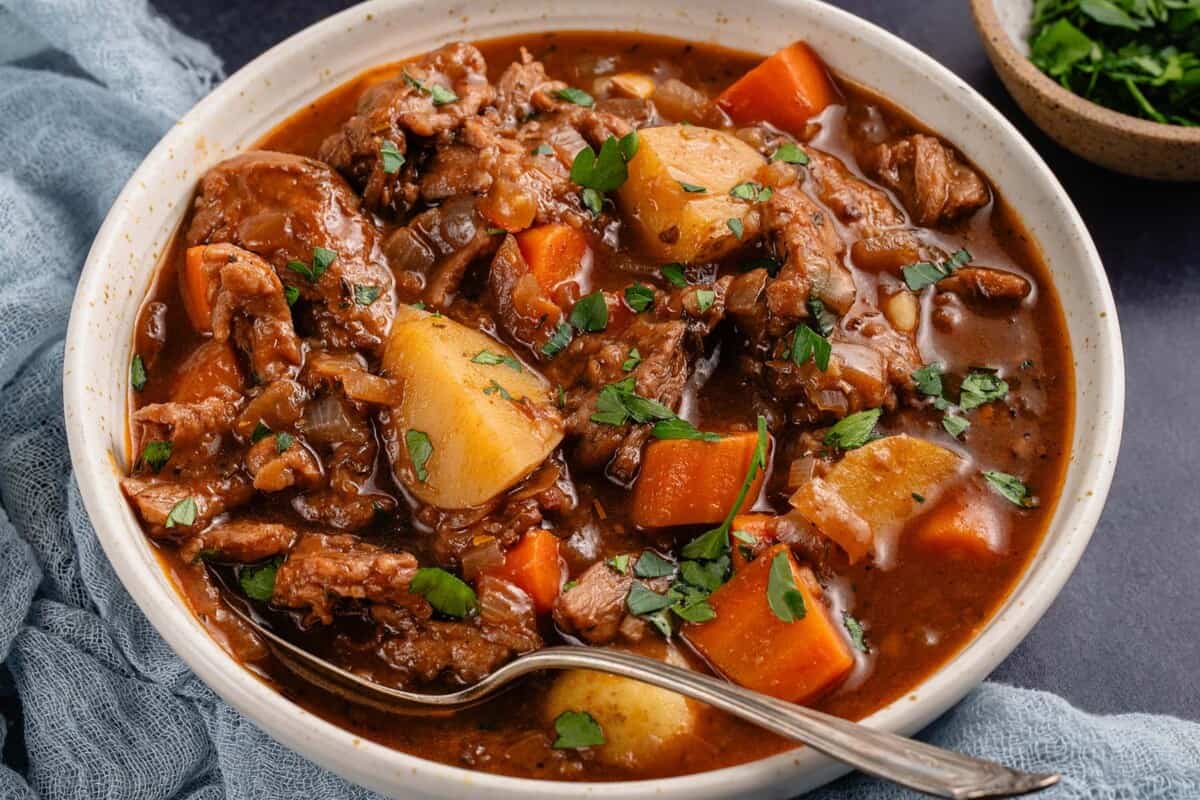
122,261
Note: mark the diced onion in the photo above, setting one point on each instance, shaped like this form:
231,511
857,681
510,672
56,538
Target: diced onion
479,558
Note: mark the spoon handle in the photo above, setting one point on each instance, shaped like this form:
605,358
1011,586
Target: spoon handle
910,763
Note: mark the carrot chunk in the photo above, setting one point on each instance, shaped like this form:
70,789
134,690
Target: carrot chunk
747,642
555,253
693,482
197,287
965,525
210,371
785,90
536,566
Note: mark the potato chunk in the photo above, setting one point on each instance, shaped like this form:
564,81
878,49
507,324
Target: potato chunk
868,497
489,424
642,724
678,225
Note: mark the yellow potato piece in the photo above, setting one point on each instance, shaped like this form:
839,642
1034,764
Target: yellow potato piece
642,724
489,424
867,498
677,225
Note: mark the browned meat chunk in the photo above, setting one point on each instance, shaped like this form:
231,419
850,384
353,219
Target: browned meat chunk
813,257
857,204
243,540
438,245
281,207
594,607
154,499
322,569
931,179
516,87
986,284
188,426
274,470
248,306
405,106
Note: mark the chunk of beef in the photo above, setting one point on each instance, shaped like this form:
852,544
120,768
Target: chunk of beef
516,87
863,208
281,207
193,428
855,380
322,569
395,111
274,471
812,253
248,306
868,327
931,179
594,607
506,615
348,502
984,284
525,311
455,532
214,494
245,541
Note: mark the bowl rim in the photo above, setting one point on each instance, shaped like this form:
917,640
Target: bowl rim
379,767
992,31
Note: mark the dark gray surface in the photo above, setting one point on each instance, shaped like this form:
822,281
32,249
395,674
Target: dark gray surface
1123,636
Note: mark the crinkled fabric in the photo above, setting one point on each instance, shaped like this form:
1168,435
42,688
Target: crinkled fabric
108,711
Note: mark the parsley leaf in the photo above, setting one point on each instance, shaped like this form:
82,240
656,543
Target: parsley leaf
629,144
929,380
260,431
651,565
980,387
853,431
1011,487
790,153
632,361
645,601
155,454
807,343
618,404
704,299
576,730
751,192
291,294
419,450
365,295
678,428
258,582
955,425
283,441
927,273
137,373
857,635
391,157
714,543
495,388
486,356
619,563
182,513
321,259
691,188
592,200
673,272
771,265
605,171
438,93
823,321
558,340
590,312
577,96
639,297
445,592
734,224
783,597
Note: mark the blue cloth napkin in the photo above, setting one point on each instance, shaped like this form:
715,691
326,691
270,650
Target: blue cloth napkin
106,709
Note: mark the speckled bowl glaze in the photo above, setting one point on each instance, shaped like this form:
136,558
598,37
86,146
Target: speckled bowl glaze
1122,143
123,258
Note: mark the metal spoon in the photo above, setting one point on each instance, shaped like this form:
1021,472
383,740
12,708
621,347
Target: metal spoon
910,763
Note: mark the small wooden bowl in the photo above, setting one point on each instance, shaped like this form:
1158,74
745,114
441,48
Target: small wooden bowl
1117,141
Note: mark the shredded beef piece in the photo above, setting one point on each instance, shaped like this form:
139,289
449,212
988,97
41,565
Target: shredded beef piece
348,503
934,183
813,257
197,426
248,306
506,615
516,87
985,284
397,110
456,532
594,608
281,207
273,471
214,495
857,204
867,326
322,569
244,541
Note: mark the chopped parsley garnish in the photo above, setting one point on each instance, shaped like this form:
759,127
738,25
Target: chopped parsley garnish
419,450
283,441
642,600
823,320
560,396
771,265
321,260
577,96
182,513
618,403
590,313
445,592
1010,487
705,299
155,454
632,360
790,153
365,295
678,428
576,730
629,144
495,388
619,563
559,339
920,498
639,297
853,431
492,359
651,565
929,383
715,543
673,272
734,224
927,273
955,425
981,387
258,582
605,171
260,431
1026,364
858,637
691,188
543,149
291,294
391,157
751,192
783,597
569,585
438,93
137,373
592,200
706,575
806,344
